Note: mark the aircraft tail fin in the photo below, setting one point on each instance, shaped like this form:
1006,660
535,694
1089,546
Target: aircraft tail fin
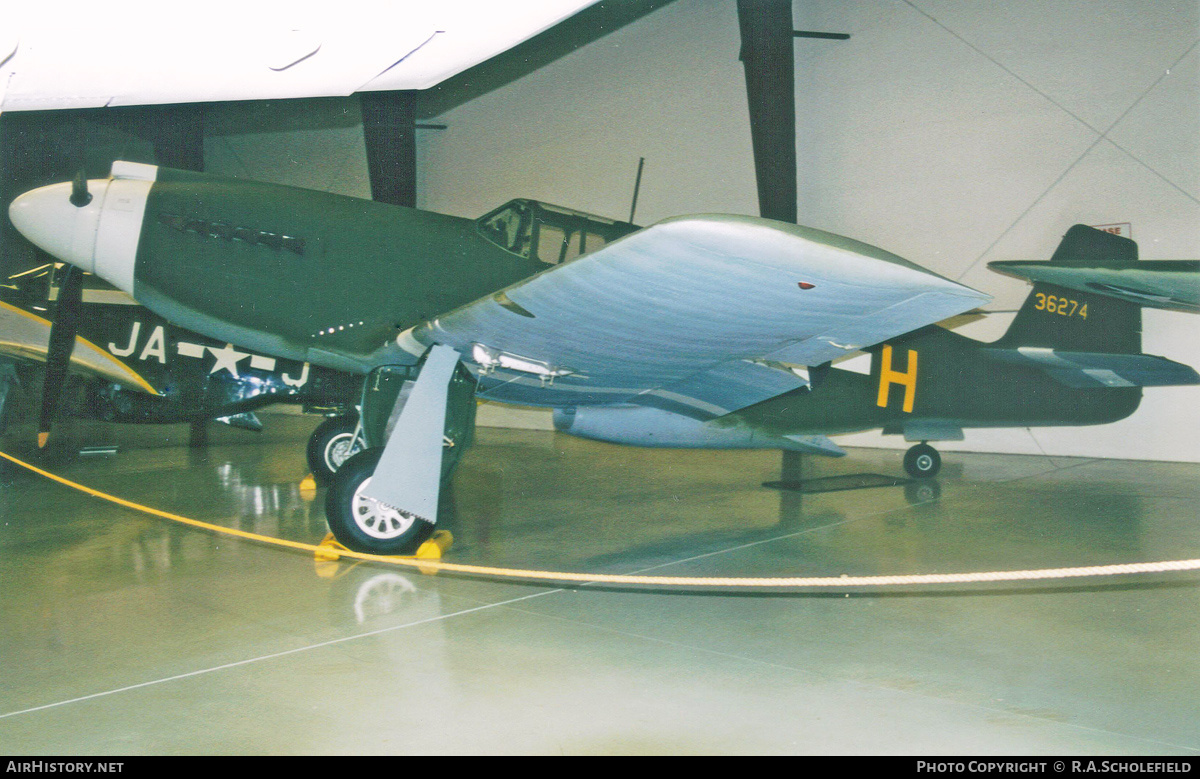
1062,319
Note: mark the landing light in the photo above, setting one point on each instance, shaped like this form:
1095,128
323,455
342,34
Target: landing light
490,359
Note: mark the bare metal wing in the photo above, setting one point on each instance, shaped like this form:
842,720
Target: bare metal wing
698,315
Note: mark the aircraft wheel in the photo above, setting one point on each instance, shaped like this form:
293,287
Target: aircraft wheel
922,461
331,444
363,524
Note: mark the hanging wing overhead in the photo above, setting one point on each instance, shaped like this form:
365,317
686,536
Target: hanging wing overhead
73,54
697,315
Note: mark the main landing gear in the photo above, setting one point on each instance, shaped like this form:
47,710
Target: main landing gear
363,524
922,461
416,423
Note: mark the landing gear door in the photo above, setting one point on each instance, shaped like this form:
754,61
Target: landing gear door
384,385
385,392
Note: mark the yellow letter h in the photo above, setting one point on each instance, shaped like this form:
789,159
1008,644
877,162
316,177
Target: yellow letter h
888,377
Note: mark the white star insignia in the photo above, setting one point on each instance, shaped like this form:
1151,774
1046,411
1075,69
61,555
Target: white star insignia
227,358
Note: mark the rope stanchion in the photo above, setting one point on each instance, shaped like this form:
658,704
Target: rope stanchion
844,582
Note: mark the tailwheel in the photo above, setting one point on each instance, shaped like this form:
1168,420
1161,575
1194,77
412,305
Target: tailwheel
334,441
922,461
362,524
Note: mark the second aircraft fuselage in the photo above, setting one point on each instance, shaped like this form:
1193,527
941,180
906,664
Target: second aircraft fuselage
936,378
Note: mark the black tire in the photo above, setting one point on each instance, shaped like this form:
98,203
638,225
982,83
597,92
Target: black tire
361,524
922,461
330,445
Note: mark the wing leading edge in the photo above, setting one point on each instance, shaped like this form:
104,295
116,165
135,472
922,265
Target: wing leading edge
697,315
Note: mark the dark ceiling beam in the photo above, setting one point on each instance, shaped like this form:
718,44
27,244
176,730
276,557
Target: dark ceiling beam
769,61
573,33
389,130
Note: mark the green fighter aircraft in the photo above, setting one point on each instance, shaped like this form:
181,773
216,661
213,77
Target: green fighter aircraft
712,331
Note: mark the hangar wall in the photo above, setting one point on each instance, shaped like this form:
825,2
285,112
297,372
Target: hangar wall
952,133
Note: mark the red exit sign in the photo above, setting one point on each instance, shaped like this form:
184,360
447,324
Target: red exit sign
1123,229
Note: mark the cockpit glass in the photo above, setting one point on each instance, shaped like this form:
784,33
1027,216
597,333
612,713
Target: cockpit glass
550,234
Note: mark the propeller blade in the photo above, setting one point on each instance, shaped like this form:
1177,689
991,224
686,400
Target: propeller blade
62,343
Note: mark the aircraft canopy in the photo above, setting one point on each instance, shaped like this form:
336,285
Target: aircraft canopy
549,233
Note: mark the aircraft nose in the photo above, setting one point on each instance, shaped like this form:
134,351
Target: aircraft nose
46,217
101,237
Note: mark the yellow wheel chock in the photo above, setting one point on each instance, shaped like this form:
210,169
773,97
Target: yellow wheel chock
433,549
308,487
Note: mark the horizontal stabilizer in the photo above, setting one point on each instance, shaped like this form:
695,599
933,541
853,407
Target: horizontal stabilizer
815,444
1170,284
1095,261
247,420
1092,369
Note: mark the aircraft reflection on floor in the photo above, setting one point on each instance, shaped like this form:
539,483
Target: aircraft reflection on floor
695,505
361,594
220,484
276,508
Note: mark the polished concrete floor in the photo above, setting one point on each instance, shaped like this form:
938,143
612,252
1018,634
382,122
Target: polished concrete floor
122,634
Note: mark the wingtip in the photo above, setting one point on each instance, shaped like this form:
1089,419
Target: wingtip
42,438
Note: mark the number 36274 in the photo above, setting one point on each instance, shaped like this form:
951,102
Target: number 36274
1058,305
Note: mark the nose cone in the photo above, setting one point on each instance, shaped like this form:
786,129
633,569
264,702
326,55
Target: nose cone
100,237
46,217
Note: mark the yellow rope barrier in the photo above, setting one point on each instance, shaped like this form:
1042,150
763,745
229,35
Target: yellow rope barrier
567,577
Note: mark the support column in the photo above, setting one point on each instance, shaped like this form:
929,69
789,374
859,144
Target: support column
389,130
